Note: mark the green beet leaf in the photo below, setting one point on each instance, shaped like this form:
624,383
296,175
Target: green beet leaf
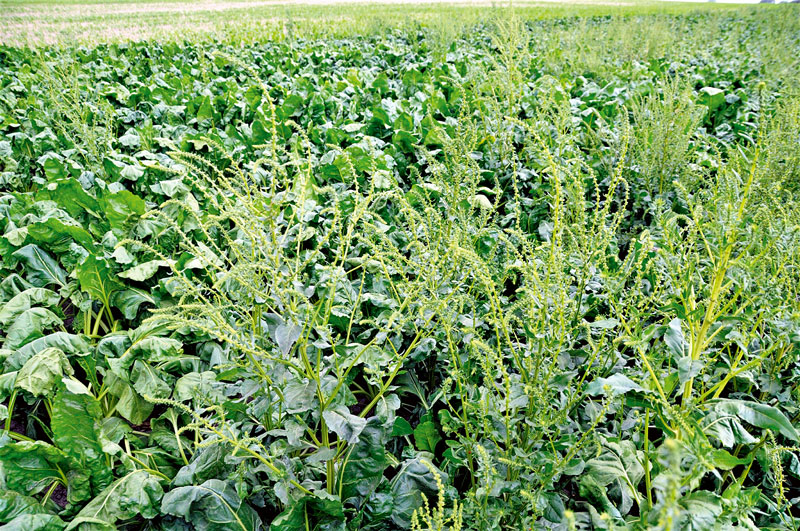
76,430
30,467
344,424
213,505
757,414
412,481
13,504
121,209
40,268
97,279
35,522
43,371
26,300
366,461
29,325
426,436
138,493
70,344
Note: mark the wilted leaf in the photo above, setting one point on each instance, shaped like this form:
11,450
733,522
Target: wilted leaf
757,414
137,493
344,424
413,479
212,505
40,374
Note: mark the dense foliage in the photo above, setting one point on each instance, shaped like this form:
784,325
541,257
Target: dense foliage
541,274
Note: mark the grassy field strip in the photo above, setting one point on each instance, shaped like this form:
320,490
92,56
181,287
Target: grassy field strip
47,23
121,8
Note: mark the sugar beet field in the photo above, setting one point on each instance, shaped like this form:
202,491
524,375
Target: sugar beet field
399,267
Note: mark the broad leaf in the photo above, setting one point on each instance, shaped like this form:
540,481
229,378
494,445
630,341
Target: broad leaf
34,522
30,467
26,300
675,339
426,436
40,374
198,385
121,209
344,424
144,271
29,325
76,430
213,505
70,344
135,494
413,480
619,465
14,504
207,462
757,414
96,278
41,270
616,384
366,461
128,301
58,235
149,381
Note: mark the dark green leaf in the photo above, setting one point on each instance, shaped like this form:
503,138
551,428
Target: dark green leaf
75,424
40,374
757,414
212,505
41,269
135,494
97,279
344,424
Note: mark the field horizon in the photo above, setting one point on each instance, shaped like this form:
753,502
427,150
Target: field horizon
55,22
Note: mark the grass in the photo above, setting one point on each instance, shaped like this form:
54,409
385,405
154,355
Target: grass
53,23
